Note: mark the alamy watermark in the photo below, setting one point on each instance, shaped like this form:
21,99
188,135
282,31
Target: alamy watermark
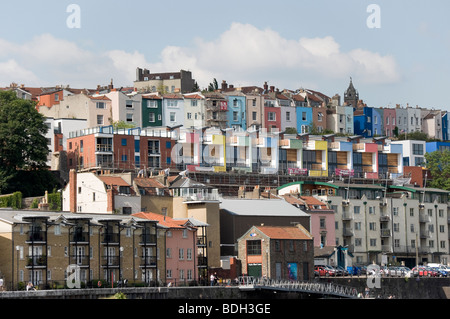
73,277
73,21
374,19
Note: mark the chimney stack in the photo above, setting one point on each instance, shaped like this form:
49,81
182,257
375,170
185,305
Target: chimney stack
73,191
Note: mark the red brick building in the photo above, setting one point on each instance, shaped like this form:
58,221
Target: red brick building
104,148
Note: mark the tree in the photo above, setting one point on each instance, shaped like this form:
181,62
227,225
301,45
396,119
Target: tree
213,86
438,163
23,145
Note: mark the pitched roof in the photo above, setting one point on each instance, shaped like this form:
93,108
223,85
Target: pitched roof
162,220
285,232
260,207
148,182
113,180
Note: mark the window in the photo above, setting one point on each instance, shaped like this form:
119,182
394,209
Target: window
254,247
152,104
172,116
288,116
193,102
271,116
235,116
129,117
254,116
172,103
189,115
303,116
181,254
99,119
151,117
124,142
100,105
129,104
417,149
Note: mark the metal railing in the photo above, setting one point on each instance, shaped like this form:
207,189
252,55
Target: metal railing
298,286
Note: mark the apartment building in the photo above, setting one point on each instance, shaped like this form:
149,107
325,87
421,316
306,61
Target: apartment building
125,149
385,224
45,247
180,242
168,82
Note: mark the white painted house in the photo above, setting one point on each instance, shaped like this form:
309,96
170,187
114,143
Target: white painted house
102,194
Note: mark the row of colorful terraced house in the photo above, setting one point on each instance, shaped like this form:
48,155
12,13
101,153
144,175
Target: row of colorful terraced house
215,150
164,99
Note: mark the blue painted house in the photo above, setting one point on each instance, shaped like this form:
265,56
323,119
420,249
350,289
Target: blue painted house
304,118
236,113
437,146
363,122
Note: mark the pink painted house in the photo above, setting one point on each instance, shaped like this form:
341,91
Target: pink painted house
322,218
181,250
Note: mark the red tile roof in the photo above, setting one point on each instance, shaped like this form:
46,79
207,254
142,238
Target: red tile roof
162,220
285,232
113,180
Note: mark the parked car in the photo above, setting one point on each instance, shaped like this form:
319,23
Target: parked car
441,272
422,271
343,270
337,271
432,272
324,271
405,271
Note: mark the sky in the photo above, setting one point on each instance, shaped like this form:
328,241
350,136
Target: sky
396,52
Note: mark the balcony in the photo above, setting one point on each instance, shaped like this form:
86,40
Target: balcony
148,262
201,241
424,218
347,232
424,233
385,218
39,261
385,232
147,239
202,261
110,261
80,260
104,148
110,238
80,237
36,236
346,216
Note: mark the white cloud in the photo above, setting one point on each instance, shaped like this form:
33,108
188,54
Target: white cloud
243,52
242,55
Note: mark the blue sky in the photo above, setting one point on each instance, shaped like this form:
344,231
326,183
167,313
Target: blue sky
290,44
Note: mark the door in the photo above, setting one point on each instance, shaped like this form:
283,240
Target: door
254,270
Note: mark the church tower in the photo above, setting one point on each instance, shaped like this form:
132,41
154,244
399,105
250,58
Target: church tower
351,96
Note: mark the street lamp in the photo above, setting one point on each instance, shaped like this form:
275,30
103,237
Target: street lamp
17,253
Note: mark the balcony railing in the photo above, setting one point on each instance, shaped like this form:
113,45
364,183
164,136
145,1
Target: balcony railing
347,232
148,261
201,241
103,148
202,261
110,261
82,237
82,261
36,236
386,232
110,238
147,239
37,261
